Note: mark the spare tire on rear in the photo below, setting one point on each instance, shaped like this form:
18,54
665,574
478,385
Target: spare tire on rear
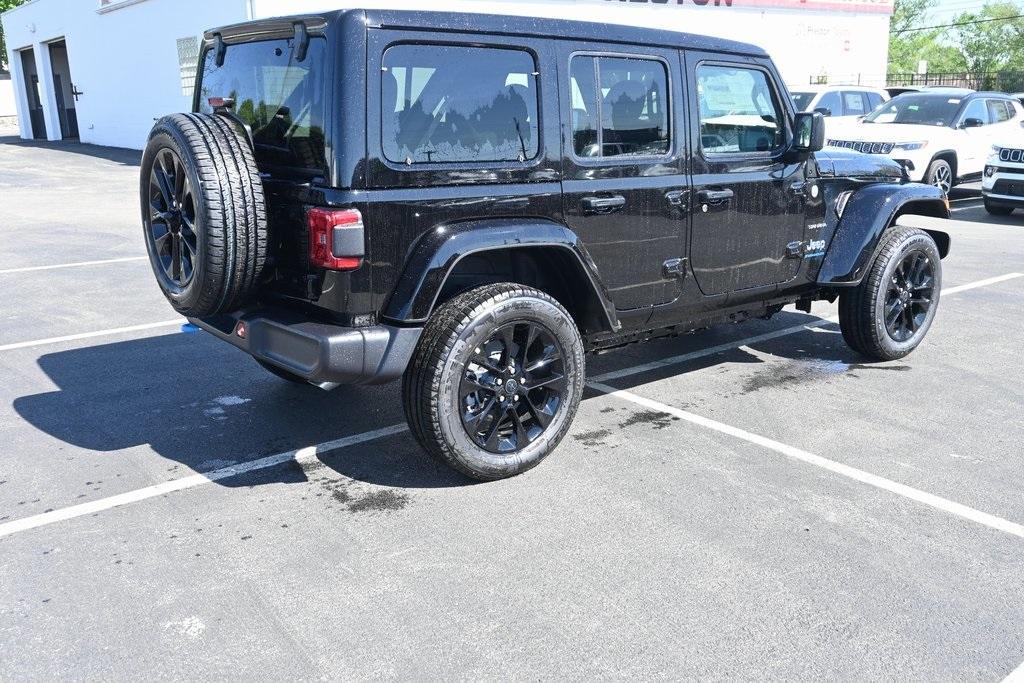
204,213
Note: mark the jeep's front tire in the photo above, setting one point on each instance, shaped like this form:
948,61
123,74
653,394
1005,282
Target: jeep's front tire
889,313
495,381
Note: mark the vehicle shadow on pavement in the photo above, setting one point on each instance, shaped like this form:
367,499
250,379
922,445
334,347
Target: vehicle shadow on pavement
120,155
205,406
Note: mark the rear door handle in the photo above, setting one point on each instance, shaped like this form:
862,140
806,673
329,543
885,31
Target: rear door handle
715,196
608,204
798,186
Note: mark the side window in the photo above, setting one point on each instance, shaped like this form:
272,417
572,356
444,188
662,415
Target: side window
976,110
1011,110
874,101
448,103
853,104
830,103
997,111
739,112
619,106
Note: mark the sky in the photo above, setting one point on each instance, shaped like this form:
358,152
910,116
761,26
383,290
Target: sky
947,10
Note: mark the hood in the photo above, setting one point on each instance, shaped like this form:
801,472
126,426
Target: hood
841,163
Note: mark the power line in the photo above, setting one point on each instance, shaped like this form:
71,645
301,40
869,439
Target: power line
960,23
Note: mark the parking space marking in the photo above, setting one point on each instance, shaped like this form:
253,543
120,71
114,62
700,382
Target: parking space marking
839,468
306,454
301,456
30,269
768,336
91,335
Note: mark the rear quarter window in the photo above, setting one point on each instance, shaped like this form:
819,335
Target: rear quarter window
458,104
278,97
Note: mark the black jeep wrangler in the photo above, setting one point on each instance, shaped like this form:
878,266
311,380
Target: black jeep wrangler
473,202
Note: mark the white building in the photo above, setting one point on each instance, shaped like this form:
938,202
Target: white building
112,66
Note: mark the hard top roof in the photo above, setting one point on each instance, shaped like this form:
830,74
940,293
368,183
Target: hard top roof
467,22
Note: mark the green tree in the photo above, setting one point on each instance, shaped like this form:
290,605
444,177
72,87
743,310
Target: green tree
908,46
992,39
4,6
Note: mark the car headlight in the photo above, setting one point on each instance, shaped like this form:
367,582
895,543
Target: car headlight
911,146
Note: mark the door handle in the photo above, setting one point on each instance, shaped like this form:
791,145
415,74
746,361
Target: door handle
609,204
715,196
798,186
677,198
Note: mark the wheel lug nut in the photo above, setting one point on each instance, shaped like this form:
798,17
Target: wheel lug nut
478,349
501,398
517,397
522,380
500,381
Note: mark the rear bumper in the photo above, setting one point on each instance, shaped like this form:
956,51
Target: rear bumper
321,353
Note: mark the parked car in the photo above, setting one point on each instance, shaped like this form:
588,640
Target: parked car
940,137
838,101
900,90
1002,185
477,203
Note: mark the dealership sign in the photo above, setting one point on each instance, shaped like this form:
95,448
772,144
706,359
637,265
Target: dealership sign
870,6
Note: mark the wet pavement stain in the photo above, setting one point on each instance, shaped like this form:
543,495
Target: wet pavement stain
797,372
593,438
384,500
652,417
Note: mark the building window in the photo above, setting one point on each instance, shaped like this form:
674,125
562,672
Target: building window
188,62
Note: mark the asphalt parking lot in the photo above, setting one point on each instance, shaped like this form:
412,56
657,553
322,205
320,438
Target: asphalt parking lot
752,501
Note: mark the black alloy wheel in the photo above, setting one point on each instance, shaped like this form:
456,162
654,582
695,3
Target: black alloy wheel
909,296
513,387
172,225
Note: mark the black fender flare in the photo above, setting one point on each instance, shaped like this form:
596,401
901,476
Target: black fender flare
868,213
436,253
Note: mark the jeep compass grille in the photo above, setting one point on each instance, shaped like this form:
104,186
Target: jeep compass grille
1015,156
865,147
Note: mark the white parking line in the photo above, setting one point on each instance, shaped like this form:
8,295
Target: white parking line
768,336
839,468
91,335
301,456
304,454
30,269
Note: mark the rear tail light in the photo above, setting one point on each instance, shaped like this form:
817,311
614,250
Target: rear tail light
336,239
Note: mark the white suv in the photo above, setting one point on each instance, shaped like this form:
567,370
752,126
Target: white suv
940,137
838,102
1002,185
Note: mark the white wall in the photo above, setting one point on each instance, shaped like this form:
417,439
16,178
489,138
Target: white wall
7,107
806,38
124,57
124,60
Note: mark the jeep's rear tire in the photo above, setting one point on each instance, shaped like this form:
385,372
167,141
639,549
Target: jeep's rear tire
997,210
940,174
495,381
203,212
889,313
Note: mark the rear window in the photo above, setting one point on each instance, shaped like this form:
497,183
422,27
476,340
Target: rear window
449,103
279,98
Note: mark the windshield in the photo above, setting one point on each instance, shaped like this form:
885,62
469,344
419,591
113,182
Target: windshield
802,100
922,110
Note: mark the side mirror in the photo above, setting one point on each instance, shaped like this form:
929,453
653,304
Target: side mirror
972,123
809,132
824,111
